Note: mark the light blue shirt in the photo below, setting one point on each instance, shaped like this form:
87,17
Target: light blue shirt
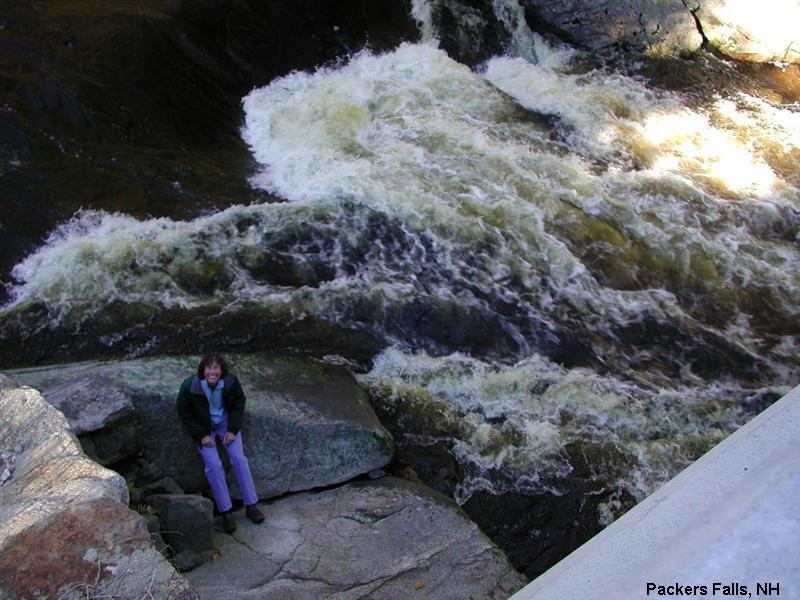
215,406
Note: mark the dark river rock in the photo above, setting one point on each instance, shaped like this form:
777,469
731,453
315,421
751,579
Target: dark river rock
139,329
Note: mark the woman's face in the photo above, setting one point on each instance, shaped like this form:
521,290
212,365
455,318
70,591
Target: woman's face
212,373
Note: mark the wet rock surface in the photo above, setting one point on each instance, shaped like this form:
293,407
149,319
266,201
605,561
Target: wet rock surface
384,539
29,337
538,530
468,30
644,25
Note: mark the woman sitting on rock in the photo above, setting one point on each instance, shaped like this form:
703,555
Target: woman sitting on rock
210,406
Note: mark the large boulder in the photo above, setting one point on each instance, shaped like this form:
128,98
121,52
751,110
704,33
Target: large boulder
739,29
64,522
382,540
644,25
308,424
187,521
733,27
103,423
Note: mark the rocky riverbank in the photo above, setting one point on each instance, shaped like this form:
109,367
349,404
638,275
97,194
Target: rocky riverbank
308,423
385,539
309,427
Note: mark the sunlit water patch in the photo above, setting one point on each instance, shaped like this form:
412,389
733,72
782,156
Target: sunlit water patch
606,116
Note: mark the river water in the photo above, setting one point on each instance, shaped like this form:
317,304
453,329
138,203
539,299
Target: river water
562,253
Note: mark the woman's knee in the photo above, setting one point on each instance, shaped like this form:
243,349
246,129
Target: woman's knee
211,461
237,458
214,467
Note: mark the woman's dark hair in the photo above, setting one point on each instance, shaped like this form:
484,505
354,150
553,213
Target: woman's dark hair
210,359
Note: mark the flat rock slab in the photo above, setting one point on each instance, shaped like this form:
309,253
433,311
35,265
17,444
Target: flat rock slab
389,538
307,424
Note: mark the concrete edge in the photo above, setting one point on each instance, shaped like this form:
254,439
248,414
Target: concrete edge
702,526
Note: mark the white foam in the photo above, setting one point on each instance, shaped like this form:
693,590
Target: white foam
423,13
521,418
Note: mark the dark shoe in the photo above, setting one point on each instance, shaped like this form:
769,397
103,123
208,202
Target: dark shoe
255,515
228,523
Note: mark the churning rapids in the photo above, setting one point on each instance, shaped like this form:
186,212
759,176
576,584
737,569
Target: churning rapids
561,253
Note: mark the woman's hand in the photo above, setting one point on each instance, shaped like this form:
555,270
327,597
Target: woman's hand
208,441
229,437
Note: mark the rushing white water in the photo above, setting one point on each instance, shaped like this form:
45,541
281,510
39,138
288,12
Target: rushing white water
592,229
522,41
521,420
416,135
539,199
422,12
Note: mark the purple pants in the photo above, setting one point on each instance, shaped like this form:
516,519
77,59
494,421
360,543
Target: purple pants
215,472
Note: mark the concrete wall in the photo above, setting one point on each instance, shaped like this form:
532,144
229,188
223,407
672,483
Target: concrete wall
726,525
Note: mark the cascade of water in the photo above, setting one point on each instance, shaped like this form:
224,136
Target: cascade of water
423,13
522,41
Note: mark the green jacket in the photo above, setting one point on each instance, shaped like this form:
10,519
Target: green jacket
193,409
